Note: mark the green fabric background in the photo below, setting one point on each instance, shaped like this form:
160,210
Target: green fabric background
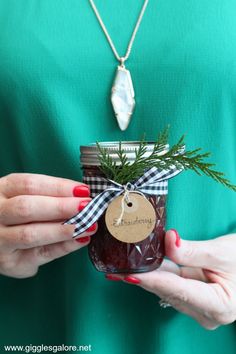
56,71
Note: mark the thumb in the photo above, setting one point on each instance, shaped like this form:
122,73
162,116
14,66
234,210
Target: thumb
201,254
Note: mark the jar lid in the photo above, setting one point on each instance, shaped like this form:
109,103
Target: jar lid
89,153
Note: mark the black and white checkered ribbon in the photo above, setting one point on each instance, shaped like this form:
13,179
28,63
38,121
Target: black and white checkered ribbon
153,182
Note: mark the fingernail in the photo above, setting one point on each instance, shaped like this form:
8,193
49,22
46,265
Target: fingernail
177,240
92,228
84,239
112,277
132,280
83,204
81,191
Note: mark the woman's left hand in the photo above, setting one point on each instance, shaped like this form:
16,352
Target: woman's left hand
204,287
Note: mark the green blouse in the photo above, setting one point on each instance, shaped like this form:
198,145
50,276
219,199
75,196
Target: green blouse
56,71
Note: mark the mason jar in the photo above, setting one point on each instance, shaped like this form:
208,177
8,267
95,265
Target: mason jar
108,254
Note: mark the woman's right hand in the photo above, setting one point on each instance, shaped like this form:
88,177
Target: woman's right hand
32,209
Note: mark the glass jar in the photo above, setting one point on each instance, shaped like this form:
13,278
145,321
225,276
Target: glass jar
108,254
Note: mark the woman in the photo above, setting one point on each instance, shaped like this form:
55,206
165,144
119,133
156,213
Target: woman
55,76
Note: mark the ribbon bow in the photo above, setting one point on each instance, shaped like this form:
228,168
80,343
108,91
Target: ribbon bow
152,182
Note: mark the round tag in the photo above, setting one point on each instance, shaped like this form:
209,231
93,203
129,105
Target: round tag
138,219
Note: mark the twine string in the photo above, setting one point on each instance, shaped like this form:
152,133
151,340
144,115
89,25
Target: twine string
126,199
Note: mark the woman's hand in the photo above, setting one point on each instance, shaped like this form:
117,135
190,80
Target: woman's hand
32,209
204,287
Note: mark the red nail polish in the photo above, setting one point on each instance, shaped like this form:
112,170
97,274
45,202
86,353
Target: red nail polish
132,280
83,204
84,239
112,277
92,228
178,240
81,191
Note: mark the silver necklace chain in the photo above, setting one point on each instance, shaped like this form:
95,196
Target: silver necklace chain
118,57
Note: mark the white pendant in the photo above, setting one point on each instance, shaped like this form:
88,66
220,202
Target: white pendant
122,97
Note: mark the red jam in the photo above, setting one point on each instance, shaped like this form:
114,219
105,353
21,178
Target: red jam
110,255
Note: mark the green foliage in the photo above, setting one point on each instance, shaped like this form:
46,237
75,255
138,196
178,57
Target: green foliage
125,172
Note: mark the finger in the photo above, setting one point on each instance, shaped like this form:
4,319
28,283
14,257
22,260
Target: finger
25,263
36,234
194,273
197,316
25,208
48,253
169,266
210,302
185,272
202,254
36,184
179,291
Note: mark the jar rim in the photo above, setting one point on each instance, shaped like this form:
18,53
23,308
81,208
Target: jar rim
89,153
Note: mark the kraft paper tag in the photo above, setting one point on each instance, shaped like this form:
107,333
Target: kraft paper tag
138,219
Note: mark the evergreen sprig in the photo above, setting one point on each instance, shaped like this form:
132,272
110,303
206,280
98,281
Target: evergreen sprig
124,171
